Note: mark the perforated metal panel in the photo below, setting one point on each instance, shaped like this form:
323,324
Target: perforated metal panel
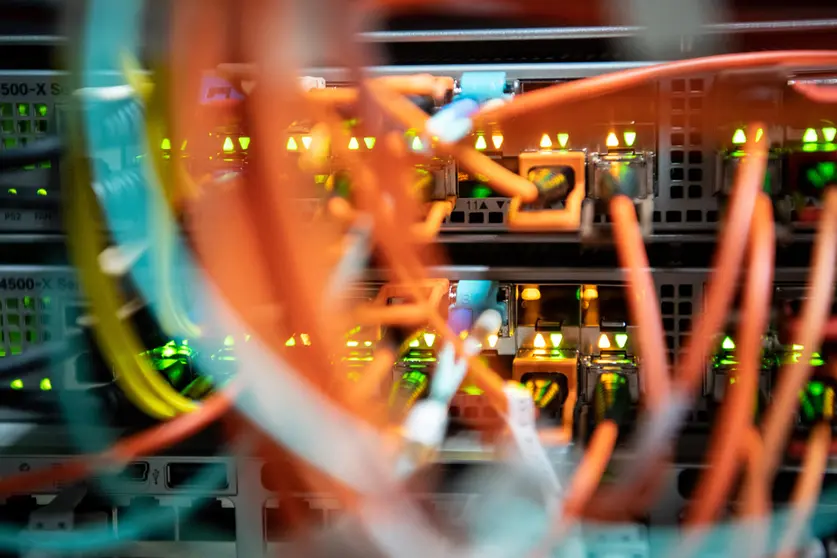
23,122
679,301
26,321
686,161
33,307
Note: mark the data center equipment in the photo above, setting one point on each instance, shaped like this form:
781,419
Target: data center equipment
480,335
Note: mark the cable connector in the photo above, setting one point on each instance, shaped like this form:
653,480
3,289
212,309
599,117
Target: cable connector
524,432
485,86
448,375
453,122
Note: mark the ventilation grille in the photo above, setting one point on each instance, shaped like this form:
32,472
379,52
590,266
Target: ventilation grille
686,191
23,123
677,307
24,320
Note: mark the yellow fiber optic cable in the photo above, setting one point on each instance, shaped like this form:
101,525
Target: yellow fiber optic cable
144,385
140,382
173,318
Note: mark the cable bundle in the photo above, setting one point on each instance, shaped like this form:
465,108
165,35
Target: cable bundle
258,269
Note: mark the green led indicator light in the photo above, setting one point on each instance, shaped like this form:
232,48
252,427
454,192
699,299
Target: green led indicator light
12,191
481,144
810,136
41,109
829,134
417,145
165,144
481,191
739,137
23,109
17,384
244,142
621,339
823,174
41,192
630,138
563,139
46,384
370,142
556,339
816,388
728,344
228,145
472,390
229,341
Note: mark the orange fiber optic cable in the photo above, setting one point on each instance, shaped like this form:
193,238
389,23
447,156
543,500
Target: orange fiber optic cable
815,311
736,414
642,299
816,93
123,451
807,489
727,264
555,95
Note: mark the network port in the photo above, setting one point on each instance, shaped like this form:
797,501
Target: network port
609,365
184,476
809,173
560,179
549,336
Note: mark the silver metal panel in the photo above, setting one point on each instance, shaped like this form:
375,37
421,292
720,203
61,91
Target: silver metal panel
685,174
568,70
155,484
597,32
524,34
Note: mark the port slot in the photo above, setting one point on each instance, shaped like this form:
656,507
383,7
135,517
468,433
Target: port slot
279,521
197,475
135,472
207,520
158,523
15,512
282,477
277,525
548,304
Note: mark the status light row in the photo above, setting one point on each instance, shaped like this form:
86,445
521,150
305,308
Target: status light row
481,143
612,140
556,338
829,133
811,136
